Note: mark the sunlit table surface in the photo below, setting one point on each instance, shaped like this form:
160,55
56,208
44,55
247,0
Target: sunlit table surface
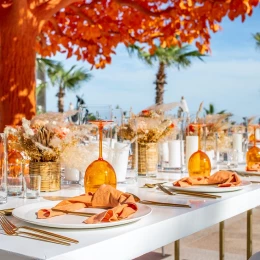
163,226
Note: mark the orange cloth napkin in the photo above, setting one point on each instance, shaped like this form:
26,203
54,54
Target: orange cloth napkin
222,178
122,205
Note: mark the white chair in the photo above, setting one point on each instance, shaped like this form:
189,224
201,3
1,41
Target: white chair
255,256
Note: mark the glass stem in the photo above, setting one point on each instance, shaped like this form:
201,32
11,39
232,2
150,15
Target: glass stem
199,137
254,136
100,128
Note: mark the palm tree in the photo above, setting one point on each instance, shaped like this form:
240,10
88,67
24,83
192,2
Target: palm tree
41,65
211,110
257,39
179,57
66,80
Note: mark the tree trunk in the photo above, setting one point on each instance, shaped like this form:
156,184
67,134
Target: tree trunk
160,81
60,96
18,30
41,97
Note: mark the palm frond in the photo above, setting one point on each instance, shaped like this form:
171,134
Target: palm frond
42,63
257,39
141,54
40,87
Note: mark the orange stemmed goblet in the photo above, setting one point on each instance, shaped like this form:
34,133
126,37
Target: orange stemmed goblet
199,163
100,171
253,155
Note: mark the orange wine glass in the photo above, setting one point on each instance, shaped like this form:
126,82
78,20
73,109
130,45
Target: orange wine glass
253,154
99,171
199,163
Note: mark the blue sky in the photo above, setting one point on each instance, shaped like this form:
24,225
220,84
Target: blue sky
229,78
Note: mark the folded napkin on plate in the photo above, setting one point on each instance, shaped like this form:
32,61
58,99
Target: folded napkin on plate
222,178
122,205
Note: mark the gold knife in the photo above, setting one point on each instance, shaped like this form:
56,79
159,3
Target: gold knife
76,213
55,198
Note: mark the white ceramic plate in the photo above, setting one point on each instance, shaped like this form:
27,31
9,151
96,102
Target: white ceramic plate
27,214
209,188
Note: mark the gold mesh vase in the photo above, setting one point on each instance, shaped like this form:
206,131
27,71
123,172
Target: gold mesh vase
147,158
50,173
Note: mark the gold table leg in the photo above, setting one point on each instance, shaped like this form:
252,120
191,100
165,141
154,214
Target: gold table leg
177,250
249,233
221,241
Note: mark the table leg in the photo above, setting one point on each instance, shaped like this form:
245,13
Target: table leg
249,233
177,250
221,241
163,252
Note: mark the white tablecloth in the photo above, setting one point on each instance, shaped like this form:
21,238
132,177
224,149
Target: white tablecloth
162,227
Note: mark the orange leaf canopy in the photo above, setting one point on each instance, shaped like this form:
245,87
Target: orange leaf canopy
91,30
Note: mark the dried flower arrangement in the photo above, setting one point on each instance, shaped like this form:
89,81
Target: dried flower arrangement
212,125
44,137
149,126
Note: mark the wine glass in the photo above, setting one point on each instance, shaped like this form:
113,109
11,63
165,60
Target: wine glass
99,171
253,154
199,163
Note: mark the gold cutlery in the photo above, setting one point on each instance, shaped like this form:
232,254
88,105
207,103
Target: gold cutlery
10,232
156,203
15,228
151,185
191,193
54,198
255,181
83,214
6,212
243,174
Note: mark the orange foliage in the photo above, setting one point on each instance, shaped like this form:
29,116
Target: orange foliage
92,30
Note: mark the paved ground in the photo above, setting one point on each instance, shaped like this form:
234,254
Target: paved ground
203,245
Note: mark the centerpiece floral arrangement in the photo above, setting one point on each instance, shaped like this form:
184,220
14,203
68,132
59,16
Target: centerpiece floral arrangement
45,137
146,129
43,140
214,130
150,125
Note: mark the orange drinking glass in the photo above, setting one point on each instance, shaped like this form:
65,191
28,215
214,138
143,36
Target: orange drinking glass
100,171
199,163
253,155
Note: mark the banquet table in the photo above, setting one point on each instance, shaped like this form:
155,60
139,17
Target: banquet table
163,226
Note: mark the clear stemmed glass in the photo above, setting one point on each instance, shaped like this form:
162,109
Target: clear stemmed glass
253,154
99,171
199,162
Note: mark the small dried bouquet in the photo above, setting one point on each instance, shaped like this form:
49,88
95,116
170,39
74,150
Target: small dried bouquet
44,137
213,131
149,126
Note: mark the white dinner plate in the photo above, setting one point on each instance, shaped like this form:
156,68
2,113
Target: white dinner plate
209,188
27,213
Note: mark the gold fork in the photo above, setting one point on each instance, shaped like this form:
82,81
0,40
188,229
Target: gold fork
10,232
59,237
196,194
